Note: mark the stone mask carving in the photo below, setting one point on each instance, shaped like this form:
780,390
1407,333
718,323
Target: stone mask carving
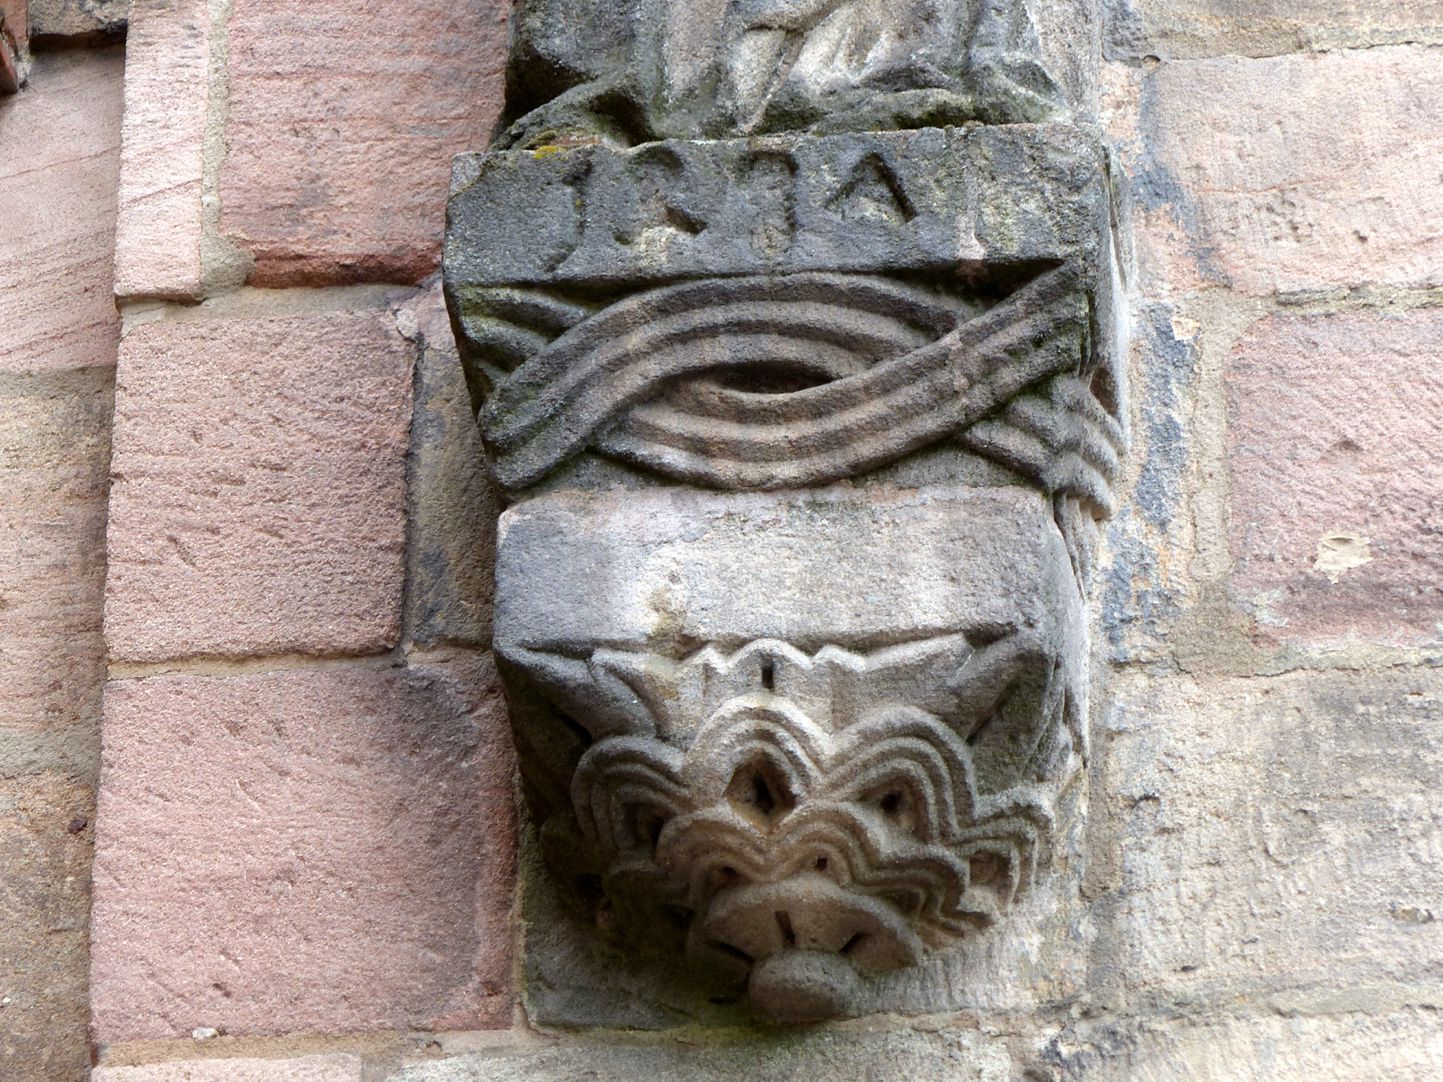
806,437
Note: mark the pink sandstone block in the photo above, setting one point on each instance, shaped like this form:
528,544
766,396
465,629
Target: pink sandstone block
335,1068
343,121
313,851
44,902
258,504
54,460
17,21
61,141
12,72
1178,28
15,41
1300,172
158,235
1336,428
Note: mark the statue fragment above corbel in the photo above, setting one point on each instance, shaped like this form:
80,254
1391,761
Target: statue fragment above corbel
792,330
638,71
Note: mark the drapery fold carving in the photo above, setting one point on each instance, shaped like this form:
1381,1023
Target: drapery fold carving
638,71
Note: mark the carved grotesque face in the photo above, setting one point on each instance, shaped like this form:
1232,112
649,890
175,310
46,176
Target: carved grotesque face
806,736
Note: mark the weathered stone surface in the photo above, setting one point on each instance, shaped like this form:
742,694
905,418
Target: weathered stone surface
341,129
1149,576
333,1068
167,87
60,141
1267,171
837,1057
259,496
1334,441
44,901
54,457
1405,1046
1192,28
324,850
1037,957
78,18
452,543
799,357
1275,836
11,75
890,201
657,568
58,213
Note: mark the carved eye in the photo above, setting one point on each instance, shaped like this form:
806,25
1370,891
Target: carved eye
679,917
897,806
759,791
988,869
647,825
589,891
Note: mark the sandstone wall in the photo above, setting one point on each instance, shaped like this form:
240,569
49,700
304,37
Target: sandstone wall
58,334
306,837
306,786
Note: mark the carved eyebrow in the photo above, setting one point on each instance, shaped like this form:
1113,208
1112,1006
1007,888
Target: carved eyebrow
988,677
786,14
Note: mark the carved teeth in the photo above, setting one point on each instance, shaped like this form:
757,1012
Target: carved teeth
811,913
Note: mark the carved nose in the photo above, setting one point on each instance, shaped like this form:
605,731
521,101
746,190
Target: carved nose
807,939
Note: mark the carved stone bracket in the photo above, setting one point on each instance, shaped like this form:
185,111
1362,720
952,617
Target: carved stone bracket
807,437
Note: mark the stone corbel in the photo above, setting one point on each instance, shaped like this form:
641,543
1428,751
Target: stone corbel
807,435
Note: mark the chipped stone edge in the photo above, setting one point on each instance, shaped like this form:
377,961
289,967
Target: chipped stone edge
224,264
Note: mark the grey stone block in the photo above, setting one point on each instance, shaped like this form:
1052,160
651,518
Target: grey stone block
950,201
635,71
622,621
452,544
1277,837
78,18
1384,1046
1171,29
659,569
802,1057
